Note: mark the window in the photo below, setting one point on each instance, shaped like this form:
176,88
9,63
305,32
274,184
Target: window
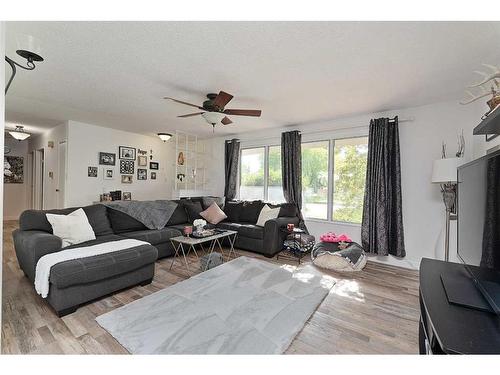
315,179
333,177
252,173
349,172
260,174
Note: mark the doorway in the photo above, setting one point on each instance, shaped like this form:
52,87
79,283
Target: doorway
60,191
38,180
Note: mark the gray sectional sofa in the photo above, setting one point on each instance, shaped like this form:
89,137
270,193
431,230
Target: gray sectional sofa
78,281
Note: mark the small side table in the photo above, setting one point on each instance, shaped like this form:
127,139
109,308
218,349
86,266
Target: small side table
293,254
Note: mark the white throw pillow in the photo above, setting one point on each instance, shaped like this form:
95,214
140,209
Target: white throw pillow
73,228
267,213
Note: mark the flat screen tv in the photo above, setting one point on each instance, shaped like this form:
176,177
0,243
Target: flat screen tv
478,213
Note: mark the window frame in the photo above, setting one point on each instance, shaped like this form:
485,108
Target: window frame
331,171
266,167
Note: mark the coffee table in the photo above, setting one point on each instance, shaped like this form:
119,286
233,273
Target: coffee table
184,245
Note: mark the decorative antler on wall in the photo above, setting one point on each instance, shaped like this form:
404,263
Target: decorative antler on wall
461,146
491,79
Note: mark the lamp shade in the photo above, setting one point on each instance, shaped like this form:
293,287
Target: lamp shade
19,133
164,136
213,117
445,170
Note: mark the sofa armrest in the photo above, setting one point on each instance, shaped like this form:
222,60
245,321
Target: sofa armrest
31,245
274,236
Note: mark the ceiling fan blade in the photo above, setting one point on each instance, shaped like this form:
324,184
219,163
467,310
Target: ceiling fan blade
186,103
191,114
226,121
243,112
222,99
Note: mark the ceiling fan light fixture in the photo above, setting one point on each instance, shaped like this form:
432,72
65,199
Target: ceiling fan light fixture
19,133
164,136
213,117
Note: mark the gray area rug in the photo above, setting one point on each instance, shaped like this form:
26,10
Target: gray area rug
245,306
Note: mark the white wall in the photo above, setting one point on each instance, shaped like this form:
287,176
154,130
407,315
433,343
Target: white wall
57,135
420,141
85,141
15,198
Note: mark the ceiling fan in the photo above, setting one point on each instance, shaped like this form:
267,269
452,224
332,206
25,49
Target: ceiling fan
213,109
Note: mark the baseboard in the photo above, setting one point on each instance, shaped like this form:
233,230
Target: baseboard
10,218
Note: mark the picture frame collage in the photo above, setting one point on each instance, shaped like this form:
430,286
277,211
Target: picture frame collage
127,157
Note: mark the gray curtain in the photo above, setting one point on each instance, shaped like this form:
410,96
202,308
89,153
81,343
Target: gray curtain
291,171
491,236
382,224
231,163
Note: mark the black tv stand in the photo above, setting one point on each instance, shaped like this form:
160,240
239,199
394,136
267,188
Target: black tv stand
461,289
450,328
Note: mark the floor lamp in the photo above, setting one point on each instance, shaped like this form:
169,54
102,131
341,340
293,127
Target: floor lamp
444,172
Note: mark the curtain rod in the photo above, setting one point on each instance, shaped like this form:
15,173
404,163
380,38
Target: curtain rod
409,119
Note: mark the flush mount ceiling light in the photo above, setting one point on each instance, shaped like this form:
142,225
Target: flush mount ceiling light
164,136
27,49
19,133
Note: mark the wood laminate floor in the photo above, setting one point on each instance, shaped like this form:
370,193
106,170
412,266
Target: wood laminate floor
373,311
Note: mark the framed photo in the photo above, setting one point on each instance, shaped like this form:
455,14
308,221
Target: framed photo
126,152
142,161
92,171
142,174
108,173
126,166
154,165
127,196
107,158
153,175
126,179
13,170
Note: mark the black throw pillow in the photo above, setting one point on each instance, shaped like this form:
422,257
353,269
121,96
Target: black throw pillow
250,211
207,202
232,209
193,210
288,210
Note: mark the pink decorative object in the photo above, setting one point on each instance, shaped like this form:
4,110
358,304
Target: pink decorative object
332,237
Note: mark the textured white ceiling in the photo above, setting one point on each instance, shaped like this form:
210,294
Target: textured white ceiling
115,73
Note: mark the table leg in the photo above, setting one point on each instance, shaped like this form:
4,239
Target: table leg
176,247
231,242
185,259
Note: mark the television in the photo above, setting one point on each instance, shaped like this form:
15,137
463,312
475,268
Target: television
478,246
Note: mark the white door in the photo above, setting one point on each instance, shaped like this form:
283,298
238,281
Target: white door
38,180
30,167
60,191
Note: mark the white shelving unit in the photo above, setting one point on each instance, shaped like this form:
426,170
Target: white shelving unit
190,175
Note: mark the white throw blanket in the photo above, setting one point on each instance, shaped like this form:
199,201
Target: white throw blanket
46,262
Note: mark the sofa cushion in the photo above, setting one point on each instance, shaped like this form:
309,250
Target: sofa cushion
99,267
180,227
179,215
193,209
97,215
228,225
154,236
250,211
121,222
232,209
207,202
288,210
251,231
